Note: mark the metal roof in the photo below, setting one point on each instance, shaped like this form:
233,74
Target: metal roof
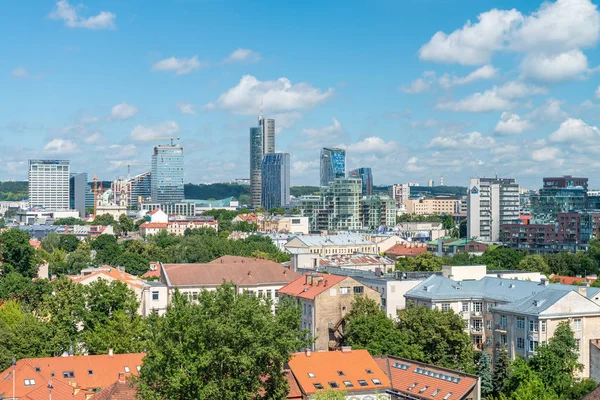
333,240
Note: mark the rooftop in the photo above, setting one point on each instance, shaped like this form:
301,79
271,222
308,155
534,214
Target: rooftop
119,390
311,285
407,249
333,240
109,273
350,260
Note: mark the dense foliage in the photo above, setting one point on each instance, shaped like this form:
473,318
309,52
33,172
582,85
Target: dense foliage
224,190
13,191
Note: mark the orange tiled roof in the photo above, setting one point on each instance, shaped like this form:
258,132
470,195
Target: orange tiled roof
60,390
154,271
154,211
407,249
154,225
250,218
325,367
310,286
294,392
35,243
573,280
120,390
110,273
426,381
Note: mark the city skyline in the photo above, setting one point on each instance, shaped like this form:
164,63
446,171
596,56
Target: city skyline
85,84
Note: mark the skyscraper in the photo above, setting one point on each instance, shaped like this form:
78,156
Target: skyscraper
400,193
78,188
275,180
167,174
49,184
333,165
367,179
262,141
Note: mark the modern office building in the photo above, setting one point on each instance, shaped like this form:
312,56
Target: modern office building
366,176
133,191
49,184
565,182
549,202
491,203
333,165
262,142
400,193
167,174
275,180
78,189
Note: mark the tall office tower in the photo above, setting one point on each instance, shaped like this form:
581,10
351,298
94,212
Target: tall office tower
400,193
275,180
167,174
49,184
491,203
262,141
367,179
78,188
333,165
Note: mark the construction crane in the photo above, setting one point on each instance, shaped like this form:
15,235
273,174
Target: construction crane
128,165
96,180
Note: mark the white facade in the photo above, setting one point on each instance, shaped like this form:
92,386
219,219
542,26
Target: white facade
400,193
49,184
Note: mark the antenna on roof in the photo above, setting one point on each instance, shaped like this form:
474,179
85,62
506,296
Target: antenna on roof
261,109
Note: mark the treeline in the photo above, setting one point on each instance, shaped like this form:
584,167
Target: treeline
13,191
224,190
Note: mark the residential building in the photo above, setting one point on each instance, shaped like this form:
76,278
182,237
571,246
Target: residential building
256,276
131,192
157,215
407,249
122,389
282,223
75,377
42,216
400,193
366,176
325,300
353,371
355,262
415,380
262,142
384,241
550,202
377,212
433,205
337,208
420,231
82,232
49,184
78,188
183,208
324,245
491,203
167,174
573,280
565,182
275,180
175,227
450,246
333,165
249,218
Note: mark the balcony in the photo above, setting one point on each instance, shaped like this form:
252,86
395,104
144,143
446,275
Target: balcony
500,327
477,329
476,314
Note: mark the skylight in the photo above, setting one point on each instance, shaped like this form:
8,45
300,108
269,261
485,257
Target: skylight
376,381
127,370
29,382
334,385
311,375
348,384
368,371
341,373
318,386
362,382
446,397
435,392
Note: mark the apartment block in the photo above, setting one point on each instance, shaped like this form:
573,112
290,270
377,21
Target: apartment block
433,205
49,184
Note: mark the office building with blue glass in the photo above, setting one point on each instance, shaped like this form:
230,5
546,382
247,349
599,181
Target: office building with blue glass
262,142
333,165
167,174
275,186
365,175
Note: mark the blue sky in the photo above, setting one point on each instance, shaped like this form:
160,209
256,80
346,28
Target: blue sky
414,89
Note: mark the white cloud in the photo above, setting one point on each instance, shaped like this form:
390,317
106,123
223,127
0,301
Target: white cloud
575,130
511,124
597,94
186,108
505,149
180,66
477,103
518,89
61,147
243,55
94,138
430,123
313,138
88,119
285,120
473,140
19,72
277,96
123,111
545,154
417,86
119,152
64,11
155,132
414,164
549,111
555,67
486,72
304,166
372,144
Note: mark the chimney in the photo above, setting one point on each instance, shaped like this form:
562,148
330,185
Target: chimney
582,290
110,352
307,352
249,273
122,377
346,349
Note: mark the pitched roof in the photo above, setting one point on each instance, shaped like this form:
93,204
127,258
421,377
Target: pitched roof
294,392
154,211
573,280
334,240
35,243
60,390
313,368
538,303
407,249
120,390
242,271
154,225
424,381
154,271
593,395
350,260
109,273
311,285
250,218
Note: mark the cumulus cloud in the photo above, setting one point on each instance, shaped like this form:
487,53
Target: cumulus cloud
180,66
243,56
123,111
373,144
155,132
277,96
19,72
430,123
68,14
486,72
597,94
555,67
549,111
545,154
313,138
94,138
511,124
120,152
61,147
473,140
575,130
186,108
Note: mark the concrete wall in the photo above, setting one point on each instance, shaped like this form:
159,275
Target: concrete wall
464,272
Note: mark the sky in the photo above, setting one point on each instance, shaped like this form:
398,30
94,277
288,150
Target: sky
414,89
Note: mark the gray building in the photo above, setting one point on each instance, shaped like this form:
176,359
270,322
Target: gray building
333,164
167,174
78,192
49,184
262,142
366,176
275,180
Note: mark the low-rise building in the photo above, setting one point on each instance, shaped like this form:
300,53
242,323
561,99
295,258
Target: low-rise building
40,216
249,218
324,245
157,215
420,231
175,227
433,205
407,249
325,300
282,224
451,246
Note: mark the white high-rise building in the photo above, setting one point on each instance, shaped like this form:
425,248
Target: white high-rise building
400,193
49,184
491,203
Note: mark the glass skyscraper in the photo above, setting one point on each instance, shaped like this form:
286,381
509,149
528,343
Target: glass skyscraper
49,184
333,165
167,174
367,179
275,180
262,141
78,189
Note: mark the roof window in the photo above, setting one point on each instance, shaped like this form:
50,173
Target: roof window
362,382
423,389
127,370
446,397
29,382
348,384
318,386
376,381
90,372
368,371
411,387
334,385
68,374
436,391
311,375
37,369
341,373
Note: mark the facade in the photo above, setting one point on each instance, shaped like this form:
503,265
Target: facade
183,208
406,250
366,176
49,184
132,192
42,216
167,174
377,211
324,245
175,227
275,180
550,202
433,205
262,142
325,300
333,165
491,203
282,224
352,262
565,182
400,193
78,188
420,231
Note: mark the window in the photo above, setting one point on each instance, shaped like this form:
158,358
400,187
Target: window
260,294
488,325
477,306
533,345
344,290
333,385
578,344
318,386
520,343
376,382
90,372
533,326
29,382
341,373
127,370
68,374
37,369
465,307
348,384
362,382
503,340
358,289
503,321
154,296
311,375
543,326
446,307
195,296
520,323
577,324
369,371
268,293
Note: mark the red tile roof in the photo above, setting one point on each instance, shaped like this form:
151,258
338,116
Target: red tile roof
407,249
573,280
60,390
154,271
242,271
35,243
250,218
425,381
110,273
294,392
154,225
325,367
310,286
154,211
120,390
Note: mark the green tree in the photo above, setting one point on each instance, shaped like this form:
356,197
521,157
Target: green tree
78,260
422,262
448,222
51,242
69,243
501,371
105,220
277,210
135,264
484,372
534,262
18,253
68,221
502,258
126,223
329,394
107,249
525,384
225,346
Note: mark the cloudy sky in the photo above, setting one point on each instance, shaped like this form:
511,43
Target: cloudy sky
414,89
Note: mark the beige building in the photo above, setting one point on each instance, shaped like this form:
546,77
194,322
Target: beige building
433,205
325,300
343,243
282,224
175,227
